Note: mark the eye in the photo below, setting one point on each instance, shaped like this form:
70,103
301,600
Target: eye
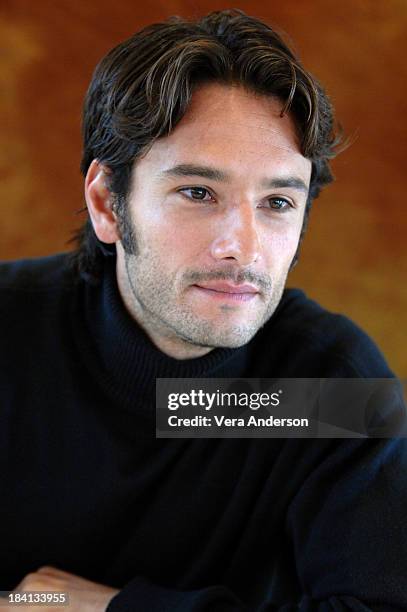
279,204
197,193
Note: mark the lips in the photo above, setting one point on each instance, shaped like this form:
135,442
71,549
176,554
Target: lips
224,291
225,287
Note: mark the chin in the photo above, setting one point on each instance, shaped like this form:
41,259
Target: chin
230,339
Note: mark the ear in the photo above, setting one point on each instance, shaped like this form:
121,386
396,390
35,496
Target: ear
99,201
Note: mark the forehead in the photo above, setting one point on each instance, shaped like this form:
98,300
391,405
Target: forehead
231,128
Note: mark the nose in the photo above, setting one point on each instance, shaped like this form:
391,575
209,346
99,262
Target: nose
237,237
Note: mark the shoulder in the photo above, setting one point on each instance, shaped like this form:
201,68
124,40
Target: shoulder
33,292
331,342
36,297
33,274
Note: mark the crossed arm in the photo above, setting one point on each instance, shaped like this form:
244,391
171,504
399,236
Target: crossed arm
83,595
348,535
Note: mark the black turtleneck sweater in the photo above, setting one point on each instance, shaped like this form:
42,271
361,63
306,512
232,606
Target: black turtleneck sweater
192,524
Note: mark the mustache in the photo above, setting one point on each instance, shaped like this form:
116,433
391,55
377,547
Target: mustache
233,275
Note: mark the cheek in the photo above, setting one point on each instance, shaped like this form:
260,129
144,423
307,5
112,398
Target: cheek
173,245
279,248
183,233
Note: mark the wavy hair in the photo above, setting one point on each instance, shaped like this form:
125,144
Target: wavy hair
142,88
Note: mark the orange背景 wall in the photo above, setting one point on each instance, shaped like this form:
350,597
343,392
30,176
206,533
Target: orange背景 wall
354,256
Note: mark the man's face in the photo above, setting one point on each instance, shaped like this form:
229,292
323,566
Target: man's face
216,210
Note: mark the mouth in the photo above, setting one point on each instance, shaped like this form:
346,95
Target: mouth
221,290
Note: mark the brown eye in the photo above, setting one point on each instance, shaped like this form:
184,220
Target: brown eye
280,204
196,193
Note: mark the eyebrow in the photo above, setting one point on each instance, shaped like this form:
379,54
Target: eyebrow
203,171
214,174
291,182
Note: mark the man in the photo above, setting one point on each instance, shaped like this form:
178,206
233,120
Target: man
204,146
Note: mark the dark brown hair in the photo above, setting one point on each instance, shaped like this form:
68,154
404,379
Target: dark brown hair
142,88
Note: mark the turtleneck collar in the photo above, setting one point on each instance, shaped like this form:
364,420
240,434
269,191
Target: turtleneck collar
123,357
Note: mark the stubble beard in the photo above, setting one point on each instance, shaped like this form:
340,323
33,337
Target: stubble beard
155,309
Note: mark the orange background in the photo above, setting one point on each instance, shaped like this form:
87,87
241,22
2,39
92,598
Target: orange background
354,257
